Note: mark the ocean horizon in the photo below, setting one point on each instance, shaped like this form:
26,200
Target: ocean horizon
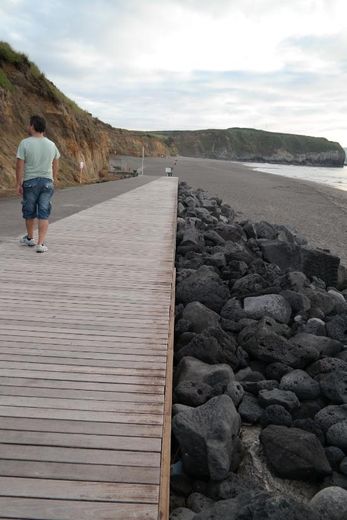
333,177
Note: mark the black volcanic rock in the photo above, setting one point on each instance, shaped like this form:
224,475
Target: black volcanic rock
204,286
294,453
206,436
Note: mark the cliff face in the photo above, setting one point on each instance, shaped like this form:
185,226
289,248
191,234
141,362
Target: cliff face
242,144
24,91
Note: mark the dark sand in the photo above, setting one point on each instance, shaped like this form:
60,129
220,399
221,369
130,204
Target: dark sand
316,211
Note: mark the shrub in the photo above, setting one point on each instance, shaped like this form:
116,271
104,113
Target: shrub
4,81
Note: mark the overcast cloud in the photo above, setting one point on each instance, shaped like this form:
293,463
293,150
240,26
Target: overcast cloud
191,64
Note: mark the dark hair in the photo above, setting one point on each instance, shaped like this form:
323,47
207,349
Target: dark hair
38,123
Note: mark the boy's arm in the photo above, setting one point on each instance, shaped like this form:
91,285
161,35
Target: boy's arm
55,168
19,175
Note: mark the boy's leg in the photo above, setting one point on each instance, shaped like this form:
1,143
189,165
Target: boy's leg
29,207
30,223
44,208
43,227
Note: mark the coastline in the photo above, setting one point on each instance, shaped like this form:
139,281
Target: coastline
317,211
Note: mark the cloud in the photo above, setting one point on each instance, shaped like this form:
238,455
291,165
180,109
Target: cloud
173,64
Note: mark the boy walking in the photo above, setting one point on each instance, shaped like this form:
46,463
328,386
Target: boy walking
36,169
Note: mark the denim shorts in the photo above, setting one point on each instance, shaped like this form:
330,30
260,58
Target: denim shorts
37,194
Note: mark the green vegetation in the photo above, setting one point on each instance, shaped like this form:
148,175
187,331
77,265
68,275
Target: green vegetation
248,144
8,55
35,71
4,81
56,95
46,87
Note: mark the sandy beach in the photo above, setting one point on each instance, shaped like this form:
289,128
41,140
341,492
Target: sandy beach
316,211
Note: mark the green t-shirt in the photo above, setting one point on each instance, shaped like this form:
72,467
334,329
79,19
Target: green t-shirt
38,154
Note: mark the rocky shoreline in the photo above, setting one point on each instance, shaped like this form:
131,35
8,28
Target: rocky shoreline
260,381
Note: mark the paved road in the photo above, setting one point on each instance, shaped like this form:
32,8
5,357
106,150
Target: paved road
318,212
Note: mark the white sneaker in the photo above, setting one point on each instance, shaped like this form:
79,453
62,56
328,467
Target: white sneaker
41,248
26,241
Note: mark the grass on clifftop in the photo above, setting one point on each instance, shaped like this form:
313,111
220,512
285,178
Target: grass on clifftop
48,89
8,55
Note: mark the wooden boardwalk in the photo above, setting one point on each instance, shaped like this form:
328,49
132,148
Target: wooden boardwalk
86,363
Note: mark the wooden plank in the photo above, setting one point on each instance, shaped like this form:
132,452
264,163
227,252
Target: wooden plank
42,334
81,404
82,361
79,440
69,352
66,393
37,382
81,365
74,490
115,347
119,332
85,376
80,455
104,323
85,427
67,471
82,415
39,509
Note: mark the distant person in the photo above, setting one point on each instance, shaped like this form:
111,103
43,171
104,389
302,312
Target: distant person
36,169
81,170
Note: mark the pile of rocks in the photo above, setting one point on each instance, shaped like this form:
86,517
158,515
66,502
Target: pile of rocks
260,341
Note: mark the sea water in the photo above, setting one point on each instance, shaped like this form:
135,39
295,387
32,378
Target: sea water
334,177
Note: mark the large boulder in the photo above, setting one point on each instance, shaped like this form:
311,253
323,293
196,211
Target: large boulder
273,305
331,503
326,365
330,415
200,316
321,300
233,310
192,238
214,346
337,327
276,414
204,286
232,232
295,454
182,513
334,386
250,284
258,505
232,486
217,376
281,397
337,435
250,409
207,436
325,346
303,385
283,254
271,347
192,393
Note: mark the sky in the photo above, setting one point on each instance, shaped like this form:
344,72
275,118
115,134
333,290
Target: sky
276,65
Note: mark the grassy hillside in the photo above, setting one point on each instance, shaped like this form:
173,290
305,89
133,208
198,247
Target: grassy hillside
246,144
